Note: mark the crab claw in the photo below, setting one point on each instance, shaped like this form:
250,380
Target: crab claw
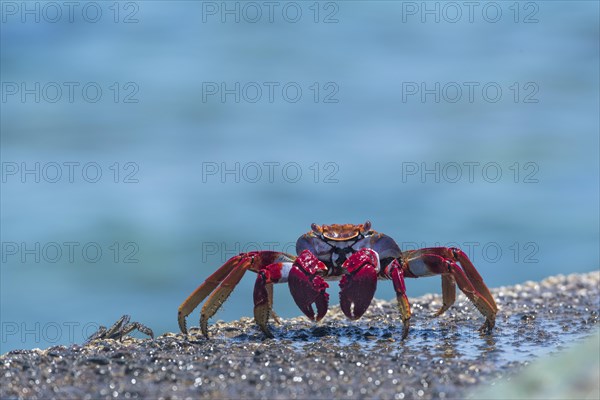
307,287
359,284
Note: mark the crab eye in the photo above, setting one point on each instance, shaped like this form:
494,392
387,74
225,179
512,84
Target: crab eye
315,228
367,226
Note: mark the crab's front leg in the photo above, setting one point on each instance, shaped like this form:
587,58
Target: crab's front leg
445,261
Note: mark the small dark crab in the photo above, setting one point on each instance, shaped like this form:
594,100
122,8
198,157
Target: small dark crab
357,255
120,329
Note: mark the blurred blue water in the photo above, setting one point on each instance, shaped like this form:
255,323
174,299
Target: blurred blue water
546,223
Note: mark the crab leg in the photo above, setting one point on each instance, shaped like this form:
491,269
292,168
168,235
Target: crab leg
218,297
263,293
120,329
395,272
204,290
223,281
132,327
474,276
448,294
273,314
457,255
430,261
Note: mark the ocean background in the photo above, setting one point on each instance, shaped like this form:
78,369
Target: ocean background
190,177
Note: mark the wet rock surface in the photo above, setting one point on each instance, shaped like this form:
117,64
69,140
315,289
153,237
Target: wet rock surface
444,357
